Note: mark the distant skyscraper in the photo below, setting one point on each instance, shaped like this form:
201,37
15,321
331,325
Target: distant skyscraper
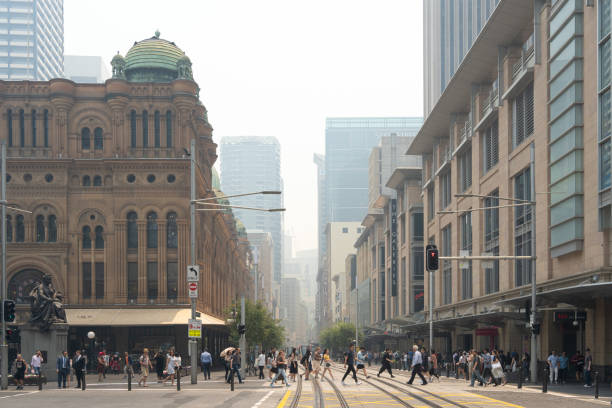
450,29
249,164
85,69
31,39
348,144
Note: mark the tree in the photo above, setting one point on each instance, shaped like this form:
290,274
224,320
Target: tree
261,327
338,337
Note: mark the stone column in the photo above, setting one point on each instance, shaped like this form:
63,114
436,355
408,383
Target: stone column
119,275
162,269
142,261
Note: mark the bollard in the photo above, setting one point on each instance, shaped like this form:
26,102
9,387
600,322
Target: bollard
596,384
39,383
232,380
178,378
456,372
448,366
545,380
83,386
129,373
520,379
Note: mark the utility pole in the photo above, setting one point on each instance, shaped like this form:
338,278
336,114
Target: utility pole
193,343
357,320
242,344
431,305
533,365
3,344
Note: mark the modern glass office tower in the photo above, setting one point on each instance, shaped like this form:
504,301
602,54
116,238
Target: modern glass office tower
248,164
31,39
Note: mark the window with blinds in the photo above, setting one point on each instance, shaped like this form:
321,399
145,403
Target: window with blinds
465,169
522,116
447,278
491,147
445,189
465,222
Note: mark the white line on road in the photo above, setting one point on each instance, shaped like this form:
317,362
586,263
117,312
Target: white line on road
261,401
18,395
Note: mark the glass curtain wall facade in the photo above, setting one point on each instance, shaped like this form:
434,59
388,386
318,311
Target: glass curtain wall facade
605,114
31,39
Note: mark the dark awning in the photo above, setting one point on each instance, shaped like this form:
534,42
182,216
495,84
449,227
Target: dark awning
466,322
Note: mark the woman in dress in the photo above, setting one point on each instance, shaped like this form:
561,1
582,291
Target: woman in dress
293,364
100,366
327,365
170,361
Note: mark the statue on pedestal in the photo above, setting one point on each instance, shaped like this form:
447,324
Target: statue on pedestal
47,307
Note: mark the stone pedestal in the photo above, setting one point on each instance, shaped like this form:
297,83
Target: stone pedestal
51,343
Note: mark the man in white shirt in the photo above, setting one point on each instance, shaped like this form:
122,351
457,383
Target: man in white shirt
37,360
361,358
417,365
261,362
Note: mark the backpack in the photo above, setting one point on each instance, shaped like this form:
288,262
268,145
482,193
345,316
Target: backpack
425,361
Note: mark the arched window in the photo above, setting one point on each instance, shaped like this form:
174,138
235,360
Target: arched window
22,283
86,181
9,229
98,139
132,230
52,221
171,231
145,129
20,229
99,231
46,128
152,230
97,181
21,128
169,129
157,130
85,139
87,237
40,228
33,127
133,128
9,123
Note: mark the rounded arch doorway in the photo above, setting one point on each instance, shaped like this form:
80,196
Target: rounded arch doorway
22,283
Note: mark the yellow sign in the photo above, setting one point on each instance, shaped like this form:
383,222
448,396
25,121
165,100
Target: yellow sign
194,329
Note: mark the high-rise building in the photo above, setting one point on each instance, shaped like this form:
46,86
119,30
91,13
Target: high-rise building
249,164
85,69
263,259
31,39
451,27
525,120
319,160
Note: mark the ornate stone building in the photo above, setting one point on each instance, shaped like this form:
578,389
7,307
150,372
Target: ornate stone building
105,170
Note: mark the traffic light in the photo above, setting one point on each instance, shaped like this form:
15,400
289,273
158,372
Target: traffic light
12,336
535,328
9,311
241,329
431,255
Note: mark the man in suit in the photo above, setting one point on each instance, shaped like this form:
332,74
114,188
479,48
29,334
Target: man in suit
62,369
79,367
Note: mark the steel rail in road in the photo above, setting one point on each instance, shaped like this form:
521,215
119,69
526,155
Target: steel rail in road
339,395
425,391
298,392
319,399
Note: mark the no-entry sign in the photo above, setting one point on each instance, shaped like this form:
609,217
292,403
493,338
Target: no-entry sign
193,289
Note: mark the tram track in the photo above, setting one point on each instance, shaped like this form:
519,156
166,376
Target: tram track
298,393
341,399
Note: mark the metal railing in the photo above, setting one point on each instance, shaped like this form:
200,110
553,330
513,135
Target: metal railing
527,53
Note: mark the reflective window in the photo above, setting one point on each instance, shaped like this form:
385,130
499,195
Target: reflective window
97,181
157,129
169,129
86,181
86,266
171,230
98,139
9,127
40,228
152,230
132,280
133,128
33,120
9,229
99,232
52,221
20,229
46,128
99,270
85,139
86,237
172,280
145,129
132,230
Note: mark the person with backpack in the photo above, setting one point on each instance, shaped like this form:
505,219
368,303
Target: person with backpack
476,367
306,363
386,363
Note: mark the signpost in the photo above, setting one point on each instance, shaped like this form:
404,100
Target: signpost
393,247
193,273
193,290
194,329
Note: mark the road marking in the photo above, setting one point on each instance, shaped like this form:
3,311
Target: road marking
18,395
265,397
282,403
508,404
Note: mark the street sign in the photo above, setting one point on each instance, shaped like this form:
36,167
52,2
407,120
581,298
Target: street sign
193,273
464,264
193,289
487,264
194,329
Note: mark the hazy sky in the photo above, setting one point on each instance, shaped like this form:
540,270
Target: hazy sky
276,68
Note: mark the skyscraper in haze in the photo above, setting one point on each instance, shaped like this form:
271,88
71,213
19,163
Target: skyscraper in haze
249,164
31,39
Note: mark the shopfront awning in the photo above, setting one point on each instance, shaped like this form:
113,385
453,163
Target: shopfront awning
583,295
464,322
136,317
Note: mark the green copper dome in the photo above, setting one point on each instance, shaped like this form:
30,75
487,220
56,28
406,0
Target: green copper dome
216,182
153,60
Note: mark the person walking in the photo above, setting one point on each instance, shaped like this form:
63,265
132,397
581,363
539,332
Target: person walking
577,361
78,363
433,366
316,362
361,357
127,367
62,367
20,368
106,357
206,362
327,365
261,363
100,367
307,363
417,365
476,367
588,366
170,367
385,363
293,364
281,366
349,364
160,362
36,362
235,365
563,364
145,366
553,367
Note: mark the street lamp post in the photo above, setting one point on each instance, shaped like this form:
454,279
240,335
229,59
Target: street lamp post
193,343
3,344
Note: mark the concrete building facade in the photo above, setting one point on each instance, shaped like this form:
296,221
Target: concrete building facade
263,257
525,116
85,69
